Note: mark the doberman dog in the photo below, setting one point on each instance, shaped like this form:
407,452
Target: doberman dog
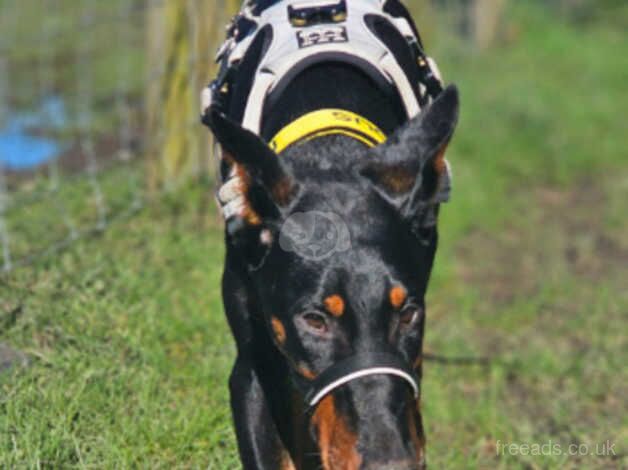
328,278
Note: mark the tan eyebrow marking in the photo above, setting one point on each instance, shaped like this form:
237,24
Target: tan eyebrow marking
397,296
335,305
278,329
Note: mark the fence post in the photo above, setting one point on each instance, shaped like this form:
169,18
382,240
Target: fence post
486,16
181,40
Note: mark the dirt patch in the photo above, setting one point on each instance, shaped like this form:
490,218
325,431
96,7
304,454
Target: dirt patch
562,234
10,358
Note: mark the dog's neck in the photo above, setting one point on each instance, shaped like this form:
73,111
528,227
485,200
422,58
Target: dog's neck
334,85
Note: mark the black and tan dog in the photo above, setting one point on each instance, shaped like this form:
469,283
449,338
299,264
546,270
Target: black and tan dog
332,268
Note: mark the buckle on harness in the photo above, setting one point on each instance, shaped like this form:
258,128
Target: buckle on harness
316,13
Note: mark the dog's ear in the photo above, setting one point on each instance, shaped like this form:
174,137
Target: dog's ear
268,185
406,169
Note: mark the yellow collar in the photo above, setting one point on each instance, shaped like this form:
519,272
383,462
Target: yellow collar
327,122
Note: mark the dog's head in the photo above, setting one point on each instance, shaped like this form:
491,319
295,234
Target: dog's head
341,264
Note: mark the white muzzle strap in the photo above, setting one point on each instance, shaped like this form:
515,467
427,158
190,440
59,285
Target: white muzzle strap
357,367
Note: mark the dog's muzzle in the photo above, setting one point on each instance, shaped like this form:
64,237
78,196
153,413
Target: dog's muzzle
356,367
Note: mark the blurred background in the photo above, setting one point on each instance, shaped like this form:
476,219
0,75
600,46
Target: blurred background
111,248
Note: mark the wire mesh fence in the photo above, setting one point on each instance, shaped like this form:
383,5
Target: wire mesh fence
73,107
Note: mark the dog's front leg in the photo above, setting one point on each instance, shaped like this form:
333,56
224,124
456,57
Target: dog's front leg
259,443
258,438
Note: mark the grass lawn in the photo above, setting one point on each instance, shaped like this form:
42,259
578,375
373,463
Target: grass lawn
129,352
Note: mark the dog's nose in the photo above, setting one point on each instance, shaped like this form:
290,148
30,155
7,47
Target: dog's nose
398,465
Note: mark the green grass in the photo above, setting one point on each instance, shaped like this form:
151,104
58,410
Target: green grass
130,353
40,217
128,345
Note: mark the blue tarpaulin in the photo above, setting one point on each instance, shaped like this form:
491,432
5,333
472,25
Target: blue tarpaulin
20,149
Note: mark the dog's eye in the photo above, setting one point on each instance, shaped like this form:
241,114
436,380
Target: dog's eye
316,322
409,314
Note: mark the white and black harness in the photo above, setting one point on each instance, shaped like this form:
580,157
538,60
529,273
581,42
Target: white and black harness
271,42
